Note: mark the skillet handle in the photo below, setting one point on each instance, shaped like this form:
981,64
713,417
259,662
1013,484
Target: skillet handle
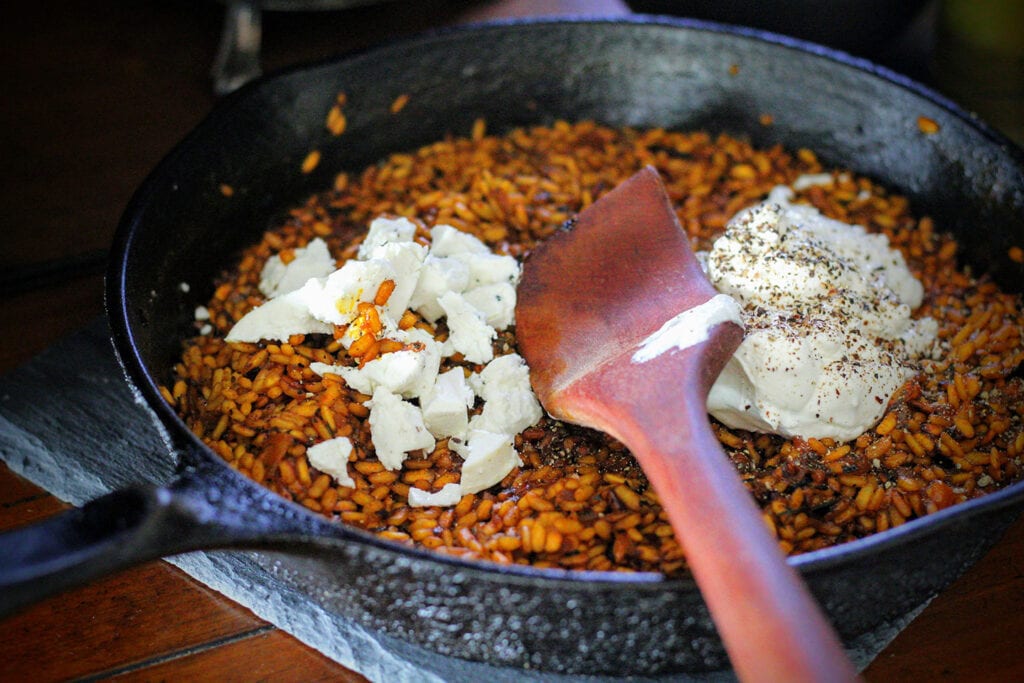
201,509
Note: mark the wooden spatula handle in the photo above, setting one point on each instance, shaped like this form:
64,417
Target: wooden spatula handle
771,626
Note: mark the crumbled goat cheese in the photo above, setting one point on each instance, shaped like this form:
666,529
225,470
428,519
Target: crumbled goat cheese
406,260
202,313
468,331
331,458
446,405
497,301
446,240
438,275
459,262
311,261
409,372
449,495
827,307
510,406
811,180
396,428
487,269
487,458
385,231
277,319
457,278
335,299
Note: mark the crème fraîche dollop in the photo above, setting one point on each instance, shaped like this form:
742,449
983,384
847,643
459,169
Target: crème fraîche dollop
828,311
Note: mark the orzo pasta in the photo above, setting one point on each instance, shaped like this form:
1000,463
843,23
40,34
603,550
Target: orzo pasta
580,500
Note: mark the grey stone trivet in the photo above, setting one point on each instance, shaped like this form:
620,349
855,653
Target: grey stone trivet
101,440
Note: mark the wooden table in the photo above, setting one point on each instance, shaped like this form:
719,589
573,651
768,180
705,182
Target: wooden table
94,94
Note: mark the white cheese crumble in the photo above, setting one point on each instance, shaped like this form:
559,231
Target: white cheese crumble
689,327
384,231
331,458
446,405
496,301
409,372
449,495
406,260
510,406
313,260
446,240
468,331
397,428
487,458
335,299
812,180
827,307
277,319
438,275
487,269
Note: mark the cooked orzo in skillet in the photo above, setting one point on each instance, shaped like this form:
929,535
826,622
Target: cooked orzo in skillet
579,500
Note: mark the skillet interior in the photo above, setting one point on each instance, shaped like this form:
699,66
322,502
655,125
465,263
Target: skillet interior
675,74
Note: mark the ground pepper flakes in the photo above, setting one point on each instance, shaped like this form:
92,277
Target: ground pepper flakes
581,501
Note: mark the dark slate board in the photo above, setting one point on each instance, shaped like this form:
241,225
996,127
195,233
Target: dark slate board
102,439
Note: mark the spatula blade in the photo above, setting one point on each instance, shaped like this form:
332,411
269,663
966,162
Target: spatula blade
604,283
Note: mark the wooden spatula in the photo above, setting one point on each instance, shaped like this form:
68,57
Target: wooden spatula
590,296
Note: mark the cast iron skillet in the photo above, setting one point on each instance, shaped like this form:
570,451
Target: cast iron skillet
639,72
